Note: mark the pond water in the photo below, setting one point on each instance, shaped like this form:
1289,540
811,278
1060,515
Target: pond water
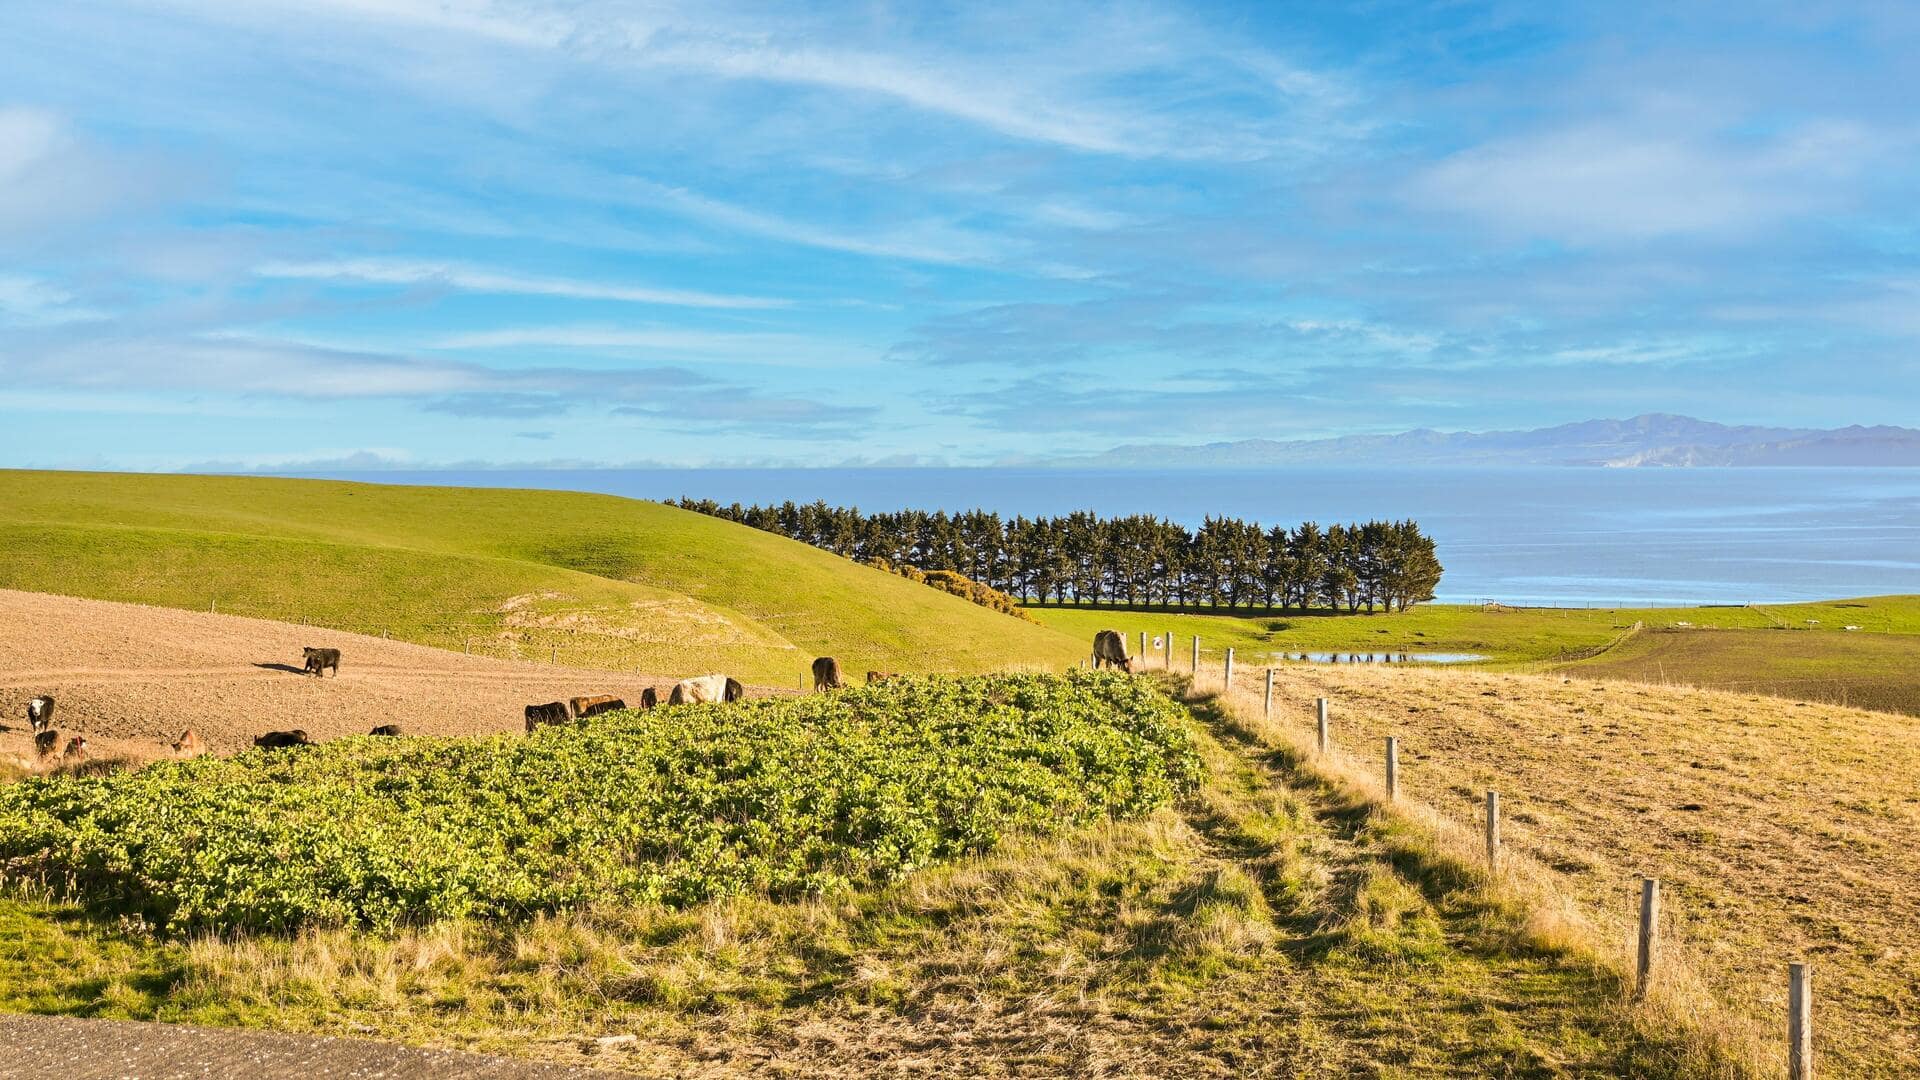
1379,657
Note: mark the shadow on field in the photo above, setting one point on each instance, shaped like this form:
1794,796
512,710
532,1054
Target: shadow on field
288,668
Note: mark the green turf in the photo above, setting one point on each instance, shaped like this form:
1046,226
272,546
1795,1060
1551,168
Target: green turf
605,581
1508,636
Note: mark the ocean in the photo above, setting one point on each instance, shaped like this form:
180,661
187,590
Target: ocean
1561,536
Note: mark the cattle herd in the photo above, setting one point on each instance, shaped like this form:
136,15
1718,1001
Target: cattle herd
1109,649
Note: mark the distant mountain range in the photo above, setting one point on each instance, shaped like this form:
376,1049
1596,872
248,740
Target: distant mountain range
1656,439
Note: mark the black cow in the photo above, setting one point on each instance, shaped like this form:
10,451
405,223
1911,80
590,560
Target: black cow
40,713
553,712
735,691
280,740
45,743
386,729
826,674
649,698
319,660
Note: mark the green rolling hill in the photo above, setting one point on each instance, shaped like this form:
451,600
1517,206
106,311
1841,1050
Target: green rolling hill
590,579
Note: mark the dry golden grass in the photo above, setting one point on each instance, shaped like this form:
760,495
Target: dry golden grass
1780,830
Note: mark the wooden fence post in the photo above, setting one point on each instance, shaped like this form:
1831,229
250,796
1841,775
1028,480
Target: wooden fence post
1649,935
1228,678
1169,650
1326,736
1799,1022
1393,768
1143,648
1196,656
1493,829
1267,710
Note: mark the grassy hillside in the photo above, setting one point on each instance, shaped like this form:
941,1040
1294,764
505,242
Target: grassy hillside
1780,831
604,581
1268,924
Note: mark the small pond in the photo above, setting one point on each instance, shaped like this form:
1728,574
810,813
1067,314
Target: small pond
1379,657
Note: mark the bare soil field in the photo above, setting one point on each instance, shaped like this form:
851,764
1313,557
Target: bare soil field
130,678
1780,830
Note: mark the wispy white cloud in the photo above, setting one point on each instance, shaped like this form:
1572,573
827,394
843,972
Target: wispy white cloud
29,301
1636,179
482,280
744,347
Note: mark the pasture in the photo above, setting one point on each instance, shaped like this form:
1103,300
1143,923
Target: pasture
584,580
1262,922
1780,831
1867,671
1801,651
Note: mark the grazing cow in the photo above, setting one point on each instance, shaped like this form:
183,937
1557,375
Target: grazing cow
75,752
40,712
319,660
706,688
826,674
553,712
1110,649
45,743
189,744
279,740
584,707
386,729
876,677
649,698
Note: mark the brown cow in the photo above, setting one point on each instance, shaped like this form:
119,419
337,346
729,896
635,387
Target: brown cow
189,744
826,674
875,677
553,712
40,712
280,740
649,698
319,660
45,743
386,729
75,752
1110,649
584,707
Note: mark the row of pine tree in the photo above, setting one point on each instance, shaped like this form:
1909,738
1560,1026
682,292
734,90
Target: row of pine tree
1136,560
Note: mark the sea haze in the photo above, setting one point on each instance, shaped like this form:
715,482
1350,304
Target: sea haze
1518,535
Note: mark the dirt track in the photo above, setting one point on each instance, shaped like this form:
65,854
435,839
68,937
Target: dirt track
52,1046
130,678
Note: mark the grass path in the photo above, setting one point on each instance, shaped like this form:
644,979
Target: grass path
1273,924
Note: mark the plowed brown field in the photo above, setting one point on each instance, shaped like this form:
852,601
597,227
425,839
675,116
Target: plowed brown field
130,678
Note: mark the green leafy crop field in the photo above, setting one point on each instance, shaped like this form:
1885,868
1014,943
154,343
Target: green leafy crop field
782,797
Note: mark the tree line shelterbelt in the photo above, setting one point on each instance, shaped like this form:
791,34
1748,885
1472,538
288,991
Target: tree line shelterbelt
1135,560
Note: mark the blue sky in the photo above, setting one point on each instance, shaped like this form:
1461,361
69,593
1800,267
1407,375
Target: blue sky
245,234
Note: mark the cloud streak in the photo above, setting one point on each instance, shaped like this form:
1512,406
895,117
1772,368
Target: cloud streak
482,280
